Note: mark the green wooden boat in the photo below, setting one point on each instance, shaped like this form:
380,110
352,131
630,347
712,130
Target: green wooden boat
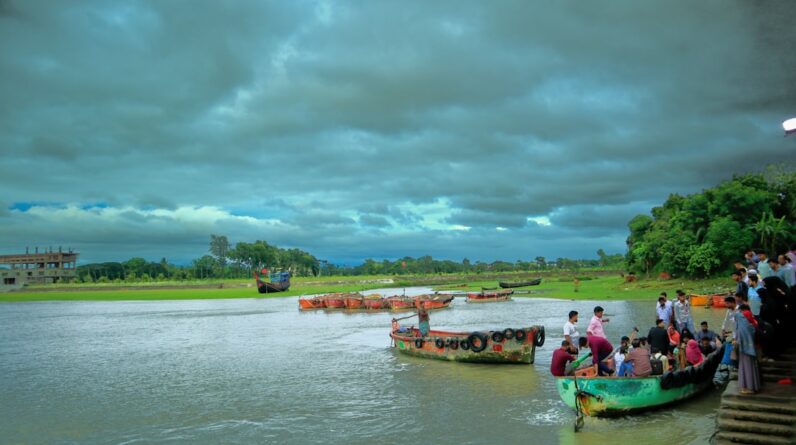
616,396
502,346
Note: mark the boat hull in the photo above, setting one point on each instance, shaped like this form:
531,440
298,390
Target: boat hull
267,288
306,304
443,345
700,300
487,299
617,396
507,285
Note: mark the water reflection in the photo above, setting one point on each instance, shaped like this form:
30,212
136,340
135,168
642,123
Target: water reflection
260,371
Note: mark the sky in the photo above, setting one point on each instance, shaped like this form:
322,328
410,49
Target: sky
501,130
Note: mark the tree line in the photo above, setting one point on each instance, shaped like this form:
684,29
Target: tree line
705,233
239,261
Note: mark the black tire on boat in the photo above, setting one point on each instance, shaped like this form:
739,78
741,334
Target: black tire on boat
678,379
453,343
418,342
538,341
440,343
520,335
477,341
465,344
508,333
497,337
667,380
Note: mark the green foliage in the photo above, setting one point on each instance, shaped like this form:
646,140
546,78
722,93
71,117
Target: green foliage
695,235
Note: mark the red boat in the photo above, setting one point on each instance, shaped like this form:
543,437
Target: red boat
311,303
486,297
374,303
400,303
499,346
353,301
718,301
334,301
436,301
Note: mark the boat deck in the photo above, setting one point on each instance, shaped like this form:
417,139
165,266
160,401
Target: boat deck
768,417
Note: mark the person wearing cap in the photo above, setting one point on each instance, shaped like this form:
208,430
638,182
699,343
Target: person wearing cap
596,324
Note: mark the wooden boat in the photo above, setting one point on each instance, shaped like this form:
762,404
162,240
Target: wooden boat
354,301
311,303
700,300
335,301
616,396
718,301
506,285
279,282
401,303
486,297
374,303
501,346
436,301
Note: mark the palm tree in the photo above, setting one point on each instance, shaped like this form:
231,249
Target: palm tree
770,230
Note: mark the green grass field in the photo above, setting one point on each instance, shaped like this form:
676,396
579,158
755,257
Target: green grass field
591,287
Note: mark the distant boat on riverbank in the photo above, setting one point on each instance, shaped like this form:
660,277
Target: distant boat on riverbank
354,301
507,284
278,282
506,346
487,296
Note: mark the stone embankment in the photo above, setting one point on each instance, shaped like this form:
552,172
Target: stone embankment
765,418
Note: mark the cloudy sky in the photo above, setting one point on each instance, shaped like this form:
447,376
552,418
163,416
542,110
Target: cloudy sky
378,129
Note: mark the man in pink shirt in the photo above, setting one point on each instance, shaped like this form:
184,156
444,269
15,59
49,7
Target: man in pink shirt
596,324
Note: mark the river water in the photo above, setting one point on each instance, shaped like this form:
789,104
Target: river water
259,371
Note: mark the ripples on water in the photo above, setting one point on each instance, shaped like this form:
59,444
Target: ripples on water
260,371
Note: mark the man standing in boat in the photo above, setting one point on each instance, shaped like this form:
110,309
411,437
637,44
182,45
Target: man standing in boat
423,320
596,324
571,334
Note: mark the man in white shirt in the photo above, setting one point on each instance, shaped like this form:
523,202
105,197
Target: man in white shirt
788,273
664,309
571,332
728,327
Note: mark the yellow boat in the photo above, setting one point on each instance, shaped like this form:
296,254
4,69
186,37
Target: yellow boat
700,300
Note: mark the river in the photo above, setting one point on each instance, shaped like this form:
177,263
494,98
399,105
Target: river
259,371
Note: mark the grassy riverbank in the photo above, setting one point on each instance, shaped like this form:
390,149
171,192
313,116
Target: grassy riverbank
593,286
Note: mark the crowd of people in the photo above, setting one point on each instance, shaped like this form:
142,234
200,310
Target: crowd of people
760,308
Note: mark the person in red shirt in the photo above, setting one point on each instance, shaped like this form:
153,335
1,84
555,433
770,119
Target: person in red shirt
601,349
561,357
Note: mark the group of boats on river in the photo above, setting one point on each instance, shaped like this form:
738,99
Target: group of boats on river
355,301
587,394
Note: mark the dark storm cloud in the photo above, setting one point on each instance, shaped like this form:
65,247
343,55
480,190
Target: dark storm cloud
380,129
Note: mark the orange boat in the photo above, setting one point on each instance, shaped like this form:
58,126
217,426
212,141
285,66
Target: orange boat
372,303
718,300
700,300
335,301
401,303
353,301
436,301
486,297
311,303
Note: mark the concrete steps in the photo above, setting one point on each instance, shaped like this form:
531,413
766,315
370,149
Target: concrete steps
732,437
765,418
